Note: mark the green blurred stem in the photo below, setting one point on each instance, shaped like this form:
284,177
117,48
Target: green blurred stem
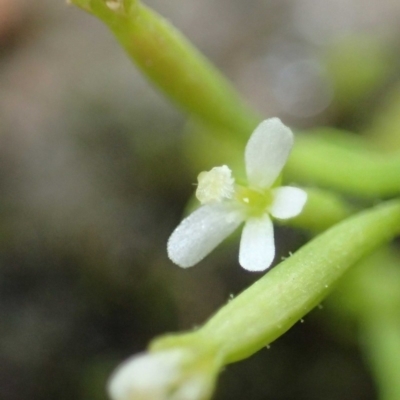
381,343
177,68
174,65
284,295
322,210
354,170
371,296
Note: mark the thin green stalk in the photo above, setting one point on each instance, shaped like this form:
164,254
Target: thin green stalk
177,68
370,295
381,343
358,171
165,56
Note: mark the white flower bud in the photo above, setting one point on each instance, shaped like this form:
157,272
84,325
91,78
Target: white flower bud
163,375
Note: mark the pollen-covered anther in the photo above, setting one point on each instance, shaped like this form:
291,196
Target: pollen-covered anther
215,185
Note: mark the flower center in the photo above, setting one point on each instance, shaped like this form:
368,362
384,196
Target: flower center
218,185
256,201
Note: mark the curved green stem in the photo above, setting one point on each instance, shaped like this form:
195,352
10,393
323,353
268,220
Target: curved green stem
272,305
279,299
165,56
370,295
177,68
322,210
381,343
358,171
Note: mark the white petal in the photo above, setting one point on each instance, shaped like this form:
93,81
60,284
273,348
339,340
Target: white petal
257,248
288,202
202,231
267,151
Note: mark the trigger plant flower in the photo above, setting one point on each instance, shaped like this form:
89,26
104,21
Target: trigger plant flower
226,204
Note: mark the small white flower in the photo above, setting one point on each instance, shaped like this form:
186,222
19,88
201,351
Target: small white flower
226,205
164,375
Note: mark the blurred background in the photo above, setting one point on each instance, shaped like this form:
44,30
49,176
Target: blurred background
95,173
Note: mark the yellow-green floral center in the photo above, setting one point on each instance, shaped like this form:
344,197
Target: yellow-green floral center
257,201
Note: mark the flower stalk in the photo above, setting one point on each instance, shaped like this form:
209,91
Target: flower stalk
317,160
370,298
268,308
166,58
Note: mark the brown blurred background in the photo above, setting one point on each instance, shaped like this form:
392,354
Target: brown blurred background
94,178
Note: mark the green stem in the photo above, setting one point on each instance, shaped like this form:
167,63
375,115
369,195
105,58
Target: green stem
357,171
177,68
273,304
165,56
322,210
370,295
381,343
279,299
